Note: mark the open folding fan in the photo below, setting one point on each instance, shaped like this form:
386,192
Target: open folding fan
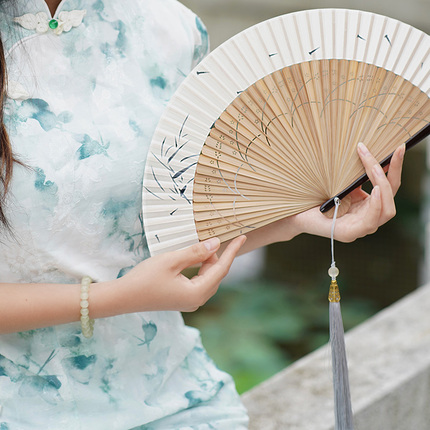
267,125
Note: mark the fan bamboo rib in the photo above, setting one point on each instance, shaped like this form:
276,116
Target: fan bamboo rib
294,133
267,126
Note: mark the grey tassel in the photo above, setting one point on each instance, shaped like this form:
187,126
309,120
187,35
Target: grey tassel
342,396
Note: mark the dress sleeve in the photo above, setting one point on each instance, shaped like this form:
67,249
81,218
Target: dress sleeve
200,35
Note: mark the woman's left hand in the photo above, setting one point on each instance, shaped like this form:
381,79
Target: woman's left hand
365,214
367,211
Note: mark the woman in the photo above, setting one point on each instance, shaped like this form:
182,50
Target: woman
88,80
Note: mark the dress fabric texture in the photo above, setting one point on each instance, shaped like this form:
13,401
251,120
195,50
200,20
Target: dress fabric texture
84,97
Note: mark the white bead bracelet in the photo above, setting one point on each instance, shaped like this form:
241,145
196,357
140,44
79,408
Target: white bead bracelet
87,324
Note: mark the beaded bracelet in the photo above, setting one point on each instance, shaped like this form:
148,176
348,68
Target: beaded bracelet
87,324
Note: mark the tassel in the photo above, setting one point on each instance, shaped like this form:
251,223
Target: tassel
342,396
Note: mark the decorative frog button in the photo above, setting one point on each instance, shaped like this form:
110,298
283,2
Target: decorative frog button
41,23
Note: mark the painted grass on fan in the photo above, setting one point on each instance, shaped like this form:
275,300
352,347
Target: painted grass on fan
213,206
363,78
257,162
231,231
228,205
248,133
315,88
287,138
281,124
240,221
237,185
381,126
242,213
408,117
258,196
241,216
307,100
310,167
223,225
231,163
349,166
293,135
308,107
365,81
230,175
246,189
240,187
370,81
211,175
394,104
278,145
246,151
271,137
231,189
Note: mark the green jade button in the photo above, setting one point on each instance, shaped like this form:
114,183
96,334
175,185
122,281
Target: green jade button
53,24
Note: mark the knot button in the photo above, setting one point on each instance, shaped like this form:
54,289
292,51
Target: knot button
53,24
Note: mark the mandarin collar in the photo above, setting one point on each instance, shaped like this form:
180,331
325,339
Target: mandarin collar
23,7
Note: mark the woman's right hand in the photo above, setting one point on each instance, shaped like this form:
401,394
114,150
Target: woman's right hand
157,283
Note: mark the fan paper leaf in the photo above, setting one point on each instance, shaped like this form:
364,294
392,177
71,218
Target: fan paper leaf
275,120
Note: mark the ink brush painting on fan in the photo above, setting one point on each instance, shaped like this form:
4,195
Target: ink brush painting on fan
268,124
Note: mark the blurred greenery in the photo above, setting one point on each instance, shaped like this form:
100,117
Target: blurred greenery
253,329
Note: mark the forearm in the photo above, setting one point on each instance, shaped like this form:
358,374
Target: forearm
31,306
155,284
278,231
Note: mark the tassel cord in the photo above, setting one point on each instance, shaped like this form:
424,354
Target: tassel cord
342,396
336,209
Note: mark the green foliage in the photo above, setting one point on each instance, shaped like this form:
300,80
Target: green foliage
253,330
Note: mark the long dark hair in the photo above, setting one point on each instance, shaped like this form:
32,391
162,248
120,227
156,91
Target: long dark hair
6,156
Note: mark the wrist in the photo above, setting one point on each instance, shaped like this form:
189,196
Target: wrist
108,298
290,227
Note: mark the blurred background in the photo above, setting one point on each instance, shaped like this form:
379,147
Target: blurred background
272,309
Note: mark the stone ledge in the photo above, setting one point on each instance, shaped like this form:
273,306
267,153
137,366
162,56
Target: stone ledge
225,18
389,365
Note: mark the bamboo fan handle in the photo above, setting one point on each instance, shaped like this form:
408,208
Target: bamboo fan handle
418,137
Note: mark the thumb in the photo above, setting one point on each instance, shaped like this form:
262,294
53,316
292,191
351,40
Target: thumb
196,253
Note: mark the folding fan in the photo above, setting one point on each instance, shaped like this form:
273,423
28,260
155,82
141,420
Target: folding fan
267,126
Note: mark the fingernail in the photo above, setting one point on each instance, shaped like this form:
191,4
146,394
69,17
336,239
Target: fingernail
211,243
376,192
377,170
362,148
402,151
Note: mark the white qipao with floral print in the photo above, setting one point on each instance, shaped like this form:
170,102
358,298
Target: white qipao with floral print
86,89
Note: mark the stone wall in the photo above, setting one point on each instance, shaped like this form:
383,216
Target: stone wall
389,367
225,18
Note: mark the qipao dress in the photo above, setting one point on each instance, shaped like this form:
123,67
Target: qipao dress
86,89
